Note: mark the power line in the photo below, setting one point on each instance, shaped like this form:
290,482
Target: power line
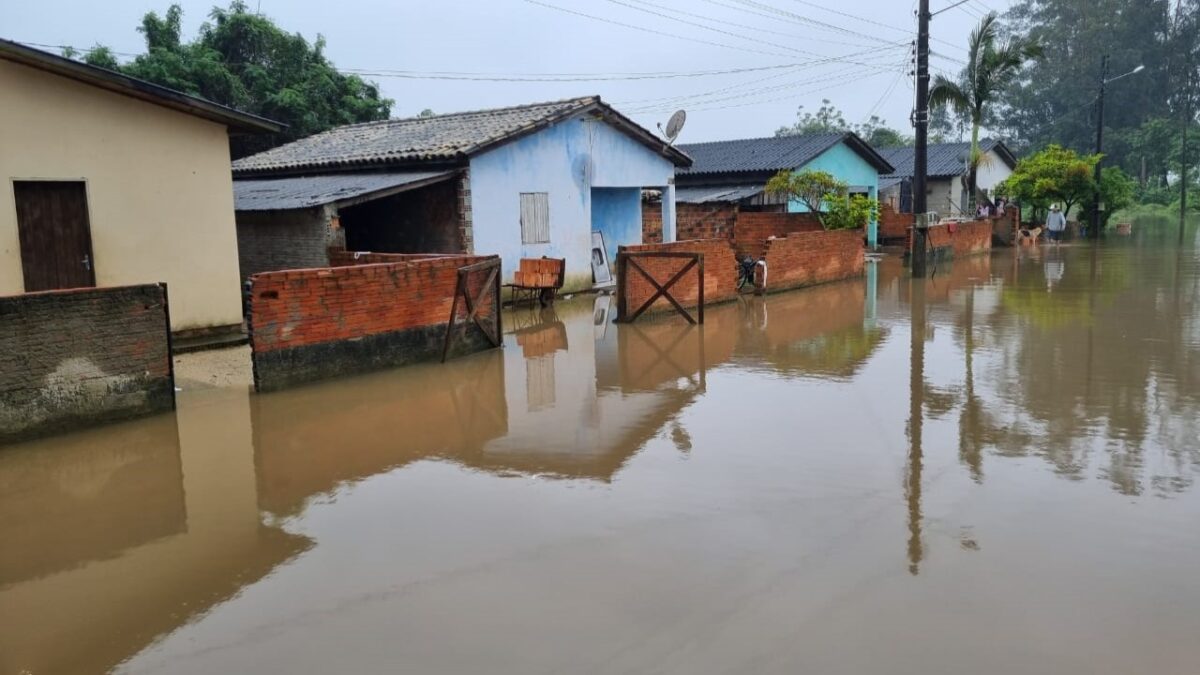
852,16
843,82
651,30
775,17
948,8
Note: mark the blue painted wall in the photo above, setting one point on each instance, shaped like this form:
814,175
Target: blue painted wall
566,160
850,168
617,212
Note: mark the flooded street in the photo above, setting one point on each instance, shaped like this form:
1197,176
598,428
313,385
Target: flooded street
991,471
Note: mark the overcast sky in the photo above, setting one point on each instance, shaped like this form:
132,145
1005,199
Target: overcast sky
790,52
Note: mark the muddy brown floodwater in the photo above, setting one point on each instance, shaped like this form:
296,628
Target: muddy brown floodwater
992,471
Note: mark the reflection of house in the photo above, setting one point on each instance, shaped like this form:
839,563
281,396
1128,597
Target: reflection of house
527,181
114,181
116,536
946,190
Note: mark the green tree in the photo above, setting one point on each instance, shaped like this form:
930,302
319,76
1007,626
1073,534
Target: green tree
243,60
826,197
992,63
1117,192
1054,175
829,119
1053,101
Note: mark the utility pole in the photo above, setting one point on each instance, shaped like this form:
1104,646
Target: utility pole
1099,148
921,151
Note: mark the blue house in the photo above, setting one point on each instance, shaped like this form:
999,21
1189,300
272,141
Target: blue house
546,179
736,172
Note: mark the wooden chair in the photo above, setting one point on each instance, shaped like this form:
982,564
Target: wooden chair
538,278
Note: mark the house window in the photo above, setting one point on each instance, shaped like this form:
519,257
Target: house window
535,217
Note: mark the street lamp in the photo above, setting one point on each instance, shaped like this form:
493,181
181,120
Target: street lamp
1104,79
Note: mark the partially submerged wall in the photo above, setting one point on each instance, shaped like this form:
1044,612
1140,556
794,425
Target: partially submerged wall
807,258
76,358
313,324
894,226
720,280
960,239
755,227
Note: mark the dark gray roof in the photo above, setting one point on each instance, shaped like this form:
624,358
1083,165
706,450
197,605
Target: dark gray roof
758,155
717,193
303,192
119,83
944,159
438,139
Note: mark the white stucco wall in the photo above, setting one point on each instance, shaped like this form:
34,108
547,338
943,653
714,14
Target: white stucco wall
159,189
566,161
992,172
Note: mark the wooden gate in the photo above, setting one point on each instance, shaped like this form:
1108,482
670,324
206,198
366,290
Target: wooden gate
475,283
627,260
56,240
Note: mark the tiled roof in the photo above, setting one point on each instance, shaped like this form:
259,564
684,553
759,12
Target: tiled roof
302,192
440,138
770,154
945,159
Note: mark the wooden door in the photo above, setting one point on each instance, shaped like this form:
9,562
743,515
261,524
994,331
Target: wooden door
56,239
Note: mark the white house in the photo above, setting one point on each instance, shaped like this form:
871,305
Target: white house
946,190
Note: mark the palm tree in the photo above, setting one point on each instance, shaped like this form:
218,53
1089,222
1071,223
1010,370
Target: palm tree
991,66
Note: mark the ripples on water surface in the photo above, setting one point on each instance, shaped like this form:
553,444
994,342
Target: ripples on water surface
990,472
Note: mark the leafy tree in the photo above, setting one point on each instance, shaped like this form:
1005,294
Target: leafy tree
825,197
428,112
829,119
1117,192
992,63
1055,174
1053,101
243,60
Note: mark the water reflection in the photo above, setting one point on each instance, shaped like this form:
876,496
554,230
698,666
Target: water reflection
749,449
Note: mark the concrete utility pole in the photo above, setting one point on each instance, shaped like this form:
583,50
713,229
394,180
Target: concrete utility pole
1099,147
921,151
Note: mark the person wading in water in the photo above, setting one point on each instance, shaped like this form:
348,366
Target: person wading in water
1056,222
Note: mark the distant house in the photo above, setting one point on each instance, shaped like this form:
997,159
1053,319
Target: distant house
736,172
946,192
111,180
528,181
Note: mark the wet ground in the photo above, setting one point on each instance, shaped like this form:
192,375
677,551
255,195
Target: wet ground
992,471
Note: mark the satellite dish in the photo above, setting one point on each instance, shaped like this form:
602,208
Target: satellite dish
674,126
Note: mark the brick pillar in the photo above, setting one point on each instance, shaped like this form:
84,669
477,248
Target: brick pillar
668,213
466,231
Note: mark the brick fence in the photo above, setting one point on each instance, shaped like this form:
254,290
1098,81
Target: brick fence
755,227
75,358
312,324
692,221
894,226
807,258
720,274
960,239
343,258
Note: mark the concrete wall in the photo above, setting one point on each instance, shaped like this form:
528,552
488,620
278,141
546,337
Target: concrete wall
159,189
279,240
617,212
71,359
566,160
307,325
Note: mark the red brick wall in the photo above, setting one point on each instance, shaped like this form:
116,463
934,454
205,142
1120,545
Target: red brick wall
652,222
720,280
806,258
894,225
969,238
80,357
335,308
754,227
692,221
343,258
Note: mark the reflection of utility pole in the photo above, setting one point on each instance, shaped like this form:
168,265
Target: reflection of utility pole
1183,157
916,401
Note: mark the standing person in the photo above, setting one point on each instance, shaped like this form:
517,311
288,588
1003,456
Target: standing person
1056,222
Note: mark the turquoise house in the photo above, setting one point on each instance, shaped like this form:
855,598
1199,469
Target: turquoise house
736,172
